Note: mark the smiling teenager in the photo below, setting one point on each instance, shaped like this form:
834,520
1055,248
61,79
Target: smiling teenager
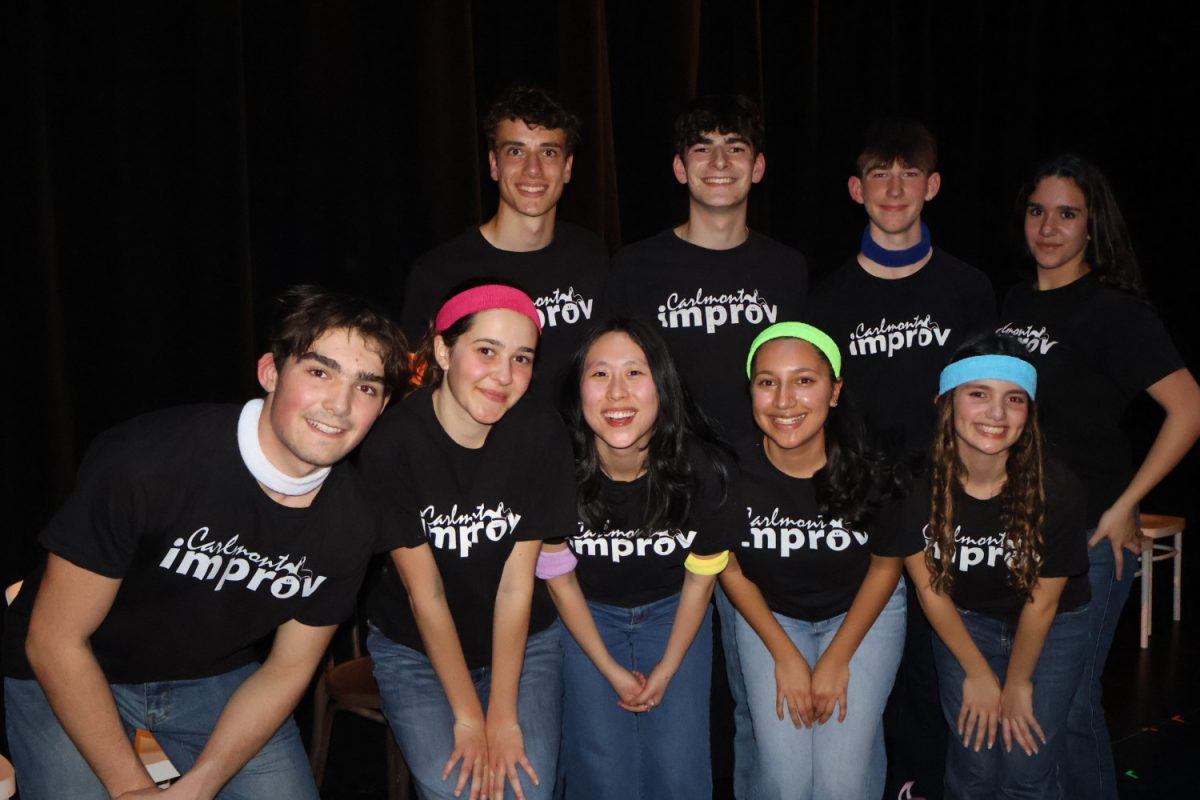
1091,334
897,309
465,645
531,141
193,536
999,559
649,542
822,612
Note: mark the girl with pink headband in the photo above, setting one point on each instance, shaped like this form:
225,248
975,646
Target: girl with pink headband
465,642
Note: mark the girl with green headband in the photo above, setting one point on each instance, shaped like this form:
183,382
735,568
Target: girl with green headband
822,614
999,560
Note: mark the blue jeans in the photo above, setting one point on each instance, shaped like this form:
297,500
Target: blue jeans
180,714
1088,768
421,718
663,753
996,773
745,751
838,759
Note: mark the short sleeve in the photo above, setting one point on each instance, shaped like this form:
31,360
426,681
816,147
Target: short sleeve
384,461
900,529
1066,552
101,523
551,475
714,513
1140,349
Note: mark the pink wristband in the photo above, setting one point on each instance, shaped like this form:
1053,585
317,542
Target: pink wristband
485,298
551,565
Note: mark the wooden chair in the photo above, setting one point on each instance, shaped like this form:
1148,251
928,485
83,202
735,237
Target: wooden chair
8,779
1156,527
350,686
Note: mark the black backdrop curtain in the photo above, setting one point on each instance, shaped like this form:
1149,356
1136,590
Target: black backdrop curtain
173,165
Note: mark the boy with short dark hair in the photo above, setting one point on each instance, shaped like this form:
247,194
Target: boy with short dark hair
531,140
711,284
898,309
193,535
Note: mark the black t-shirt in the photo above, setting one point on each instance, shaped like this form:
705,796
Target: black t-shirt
709,305
980,572
471,506
209,564
1095,349
807,567
896,337
626,565
565,280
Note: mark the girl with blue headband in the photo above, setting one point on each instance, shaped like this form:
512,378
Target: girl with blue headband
822,614
1000,566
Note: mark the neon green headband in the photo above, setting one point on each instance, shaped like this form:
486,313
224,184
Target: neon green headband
803,331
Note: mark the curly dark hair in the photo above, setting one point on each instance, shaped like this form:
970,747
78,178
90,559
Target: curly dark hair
720,113
1109,250
672,480
537,108
1022,500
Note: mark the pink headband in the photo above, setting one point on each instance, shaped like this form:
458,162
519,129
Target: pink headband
485,298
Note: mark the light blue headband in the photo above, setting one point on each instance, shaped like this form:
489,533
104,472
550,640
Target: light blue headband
803,331
997,368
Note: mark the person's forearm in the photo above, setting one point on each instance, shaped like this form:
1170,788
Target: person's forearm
251,717
876,589
946,622
573,609
693,605
751,604
510,632
1036,618
83,701
445,653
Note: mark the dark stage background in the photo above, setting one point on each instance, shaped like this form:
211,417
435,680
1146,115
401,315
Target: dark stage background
172,165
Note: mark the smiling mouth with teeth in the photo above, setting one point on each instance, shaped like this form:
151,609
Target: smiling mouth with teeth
618,414
322,427
790,420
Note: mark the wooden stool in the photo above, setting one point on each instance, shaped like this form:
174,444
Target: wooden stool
1155,527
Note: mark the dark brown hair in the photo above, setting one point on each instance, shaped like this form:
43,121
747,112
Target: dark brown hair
720,113
896,139
305,313
537,108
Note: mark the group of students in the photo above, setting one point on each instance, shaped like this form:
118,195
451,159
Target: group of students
543,622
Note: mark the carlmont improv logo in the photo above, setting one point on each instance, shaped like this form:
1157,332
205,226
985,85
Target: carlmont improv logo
712,311
227,562
888,338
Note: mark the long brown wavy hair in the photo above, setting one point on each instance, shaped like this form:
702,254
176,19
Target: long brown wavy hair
1022,500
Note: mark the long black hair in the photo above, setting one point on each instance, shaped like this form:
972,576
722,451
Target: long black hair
1109,251
671,478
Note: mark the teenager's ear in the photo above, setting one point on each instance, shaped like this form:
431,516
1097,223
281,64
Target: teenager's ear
268,374
441,352
566,172
492,168
760,168
679,169
933,186
837,392
854,185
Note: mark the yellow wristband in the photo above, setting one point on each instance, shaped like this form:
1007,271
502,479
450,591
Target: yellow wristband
706,565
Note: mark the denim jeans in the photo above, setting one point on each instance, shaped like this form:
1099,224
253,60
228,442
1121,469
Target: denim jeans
660,754
180,714
838,759
1088,768
996,773
745,751
421,718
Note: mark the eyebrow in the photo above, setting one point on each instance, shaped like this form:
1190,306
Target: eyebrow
332,364
731,138
557,145
500,344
